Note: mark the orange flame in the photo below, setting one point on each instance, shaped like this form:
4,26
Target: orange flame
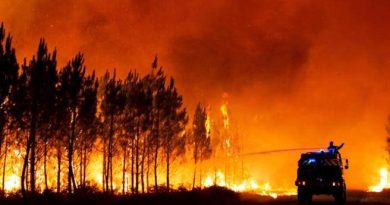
225,115
383,183
247,185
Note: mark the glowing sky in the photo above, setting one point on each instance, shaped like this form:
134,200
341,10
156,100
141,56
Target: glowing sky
297,73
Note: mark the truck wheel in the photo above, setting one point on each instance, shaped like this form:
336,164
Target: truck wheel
341,196
304,196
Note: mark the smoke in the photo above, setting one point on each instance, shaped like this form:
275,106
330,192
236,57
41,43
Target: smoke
298,73
241,46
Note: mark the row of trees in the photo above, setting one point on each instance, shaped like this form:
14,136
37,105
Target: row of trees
63,112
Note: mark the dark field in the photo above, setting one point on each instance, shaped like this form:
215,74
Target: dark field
353,197
198,197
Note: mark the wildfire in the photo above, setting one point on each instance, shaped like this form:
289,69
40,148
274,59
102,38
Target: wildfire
208,125
383,183
12,183
225,115
228,150
246,185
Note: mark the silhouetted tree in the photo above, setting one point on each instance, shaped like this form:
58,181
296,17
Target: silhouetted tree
73,75
37,81
200,140
156,80
146,109
46,129
129,124
20,114
8,78
175,120
216,141
61,121
113,101
143,106
51,113
89,123
154,86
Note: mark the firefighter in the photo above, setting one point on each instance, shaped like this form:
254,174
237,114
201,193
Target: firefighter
334,149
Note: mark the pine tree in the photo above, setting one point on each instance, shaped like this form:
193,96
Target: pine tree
113,101
8,78
89,123
156,80
37,82
175,120
200,139
73,78
61,121
129,124
55,113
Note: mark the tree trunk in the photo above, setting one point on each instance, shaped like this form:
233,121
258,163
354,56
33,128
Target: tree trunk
27,176
168,155
143,166
156,154
85,164
147,166
70,170
81,165
155,169
195,163
215,168
71,180
23,179
33,145
110,150
104,173
193,179
200,172
132,165
104,165
1,139
1,143
5,162
137,159
59,157
124,171
45,161
32,166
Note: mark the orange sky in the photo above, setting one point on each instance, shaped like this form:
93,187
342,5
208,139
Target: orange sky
298,73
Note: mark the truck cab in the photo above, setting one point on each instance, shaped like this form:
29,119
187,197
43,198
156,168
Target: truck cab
321,173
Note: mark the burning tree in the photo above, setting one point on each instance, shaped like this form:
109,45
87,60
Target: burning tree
201,140
129,127
113,101
8,78
35,103
175,120
47,113
73,75
89,124
388,139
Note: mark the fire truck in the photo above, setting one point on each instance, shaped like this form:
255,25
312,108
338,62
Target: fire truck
321,173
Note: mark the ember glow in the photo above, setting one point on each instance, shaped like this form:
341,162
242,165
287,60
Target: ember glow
247,185
275,74
384,182
223,173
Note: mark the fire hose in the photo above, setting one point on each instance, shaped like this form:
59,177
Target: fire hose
281,150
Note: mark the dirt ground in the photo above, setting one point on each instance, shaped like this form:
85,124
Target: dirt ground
209,196
353,197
